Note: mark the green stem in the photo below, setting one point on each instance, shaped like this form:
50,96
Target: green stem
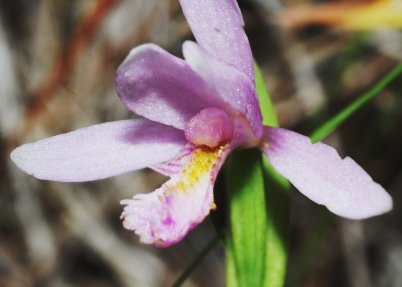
327,128
190,269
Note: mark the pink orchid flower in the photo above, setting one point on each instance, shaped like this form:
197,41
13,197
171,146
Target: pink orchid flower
196,112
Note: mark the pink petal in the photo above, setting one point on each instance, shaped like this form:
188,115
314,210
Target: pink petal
318,172
218,28
233,87
99,151
161,87
165,216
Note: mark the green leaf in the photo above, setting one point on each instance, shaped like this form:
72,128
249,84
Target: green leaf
327,128
256,250
231,273
259,209
266,105
277,200
278,225
247,216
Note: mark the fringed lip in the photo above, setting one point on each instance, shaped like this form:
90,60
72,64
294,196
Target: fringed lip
165,216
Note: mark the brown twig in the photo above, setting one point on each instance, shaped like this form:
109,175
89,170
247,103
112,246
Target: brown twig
65,62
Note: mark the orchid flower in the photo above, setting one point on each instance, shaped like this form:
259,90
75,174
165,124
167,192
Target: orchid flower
196,111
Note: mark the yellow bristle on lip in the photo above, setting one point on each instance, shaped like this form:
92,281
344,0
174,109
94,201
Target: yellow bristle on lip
201,164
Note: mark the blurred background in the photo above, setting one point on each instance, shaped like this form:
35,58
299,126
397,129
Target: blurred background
57,65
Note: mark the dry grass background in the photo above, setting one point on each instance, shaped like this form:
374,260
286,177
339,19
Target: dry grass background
57,65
